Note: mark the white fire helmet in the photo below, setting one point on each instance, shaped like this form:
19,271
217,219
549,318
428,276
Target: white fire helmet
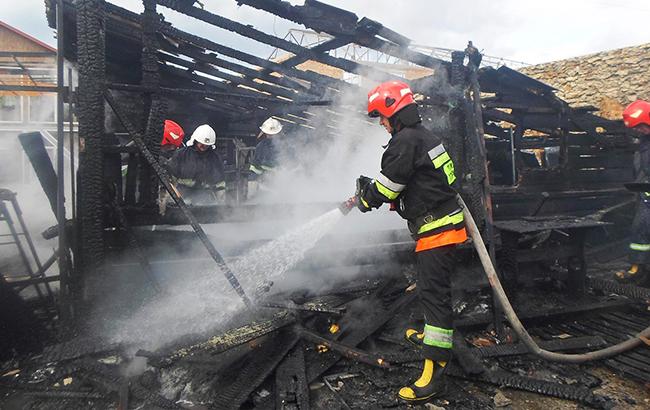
271,126
203,134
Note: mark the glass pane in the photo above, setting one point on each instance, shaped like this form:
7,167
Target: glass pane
10,108
42,108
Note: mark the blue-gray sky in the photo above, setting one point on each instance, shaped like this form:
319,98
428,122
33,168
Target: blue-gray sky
532,32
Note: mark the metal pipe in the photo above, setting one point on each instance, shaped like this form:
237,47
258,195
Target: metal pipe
60,205
512,157
516,324
73,201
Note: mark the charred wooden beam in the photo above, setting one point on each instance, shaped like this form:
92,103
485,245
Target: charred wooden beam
90,110
153,125
345,351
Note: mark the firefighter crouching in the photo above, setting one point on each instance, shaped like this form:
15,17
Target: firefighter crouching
417,175
637,117
198,168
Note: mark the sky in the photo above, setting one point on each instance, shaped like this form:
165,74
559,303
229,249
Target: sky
526,31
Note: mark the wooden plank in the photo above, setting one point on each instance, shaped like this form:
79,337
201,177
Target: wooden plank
575,178
628,155
587,150
508,209
601,161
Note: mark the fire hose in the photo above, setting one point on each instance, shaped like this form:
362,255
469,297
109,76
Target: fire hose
516,324
502,299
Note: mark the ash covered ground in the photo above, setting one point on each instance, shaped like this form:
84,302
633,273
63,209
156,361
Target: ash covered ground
198,371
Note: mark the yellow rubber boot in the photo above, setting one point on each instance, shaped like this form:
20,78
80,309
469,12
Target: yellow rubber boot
430,384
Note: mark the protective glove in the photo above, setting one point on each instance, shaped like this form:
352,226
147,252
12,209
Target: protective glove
363,183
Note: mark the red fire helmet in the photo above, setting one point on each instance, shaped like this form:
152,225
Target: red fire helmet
173,134
637,113
388,98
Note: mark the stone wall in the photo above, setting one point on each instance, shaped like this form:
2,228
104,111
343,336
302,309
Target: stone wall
608,80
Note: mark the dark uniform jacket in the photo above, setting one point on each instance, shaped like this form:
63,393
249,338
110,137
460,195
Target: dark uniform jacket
197,169
265,158
417,173
642,167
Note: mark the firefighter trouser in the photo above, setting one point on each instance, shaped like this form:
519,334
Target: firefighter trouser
640,245
435,268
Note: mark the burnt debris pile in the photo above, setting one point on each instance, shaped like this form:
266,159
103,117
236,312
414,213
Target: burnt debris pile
343,347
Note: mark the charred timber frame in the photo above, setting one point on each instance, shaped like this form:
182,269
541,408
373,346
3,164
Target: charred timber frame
190,43
247,31
335,21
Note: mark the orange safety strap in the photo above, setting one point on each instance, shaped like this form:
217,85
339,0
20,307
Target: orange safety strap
444,238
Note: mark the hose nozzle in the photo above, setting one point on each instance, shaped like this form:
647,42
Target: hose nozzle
348,205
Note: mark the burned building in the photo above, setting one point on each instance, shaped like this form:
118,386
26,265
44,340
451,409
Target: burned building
543,179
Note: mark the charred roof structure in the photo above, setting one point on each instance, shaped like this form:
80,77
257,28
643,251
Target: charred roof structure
537,174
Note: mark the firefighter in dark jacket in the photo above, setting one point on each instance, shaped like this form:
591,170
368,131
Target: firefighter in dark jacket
637,117
198,168
417,176
265,158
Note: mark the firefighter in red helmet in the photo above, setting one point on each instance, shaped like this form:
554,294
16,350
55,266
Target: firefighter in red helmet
416,176
172,138
637,117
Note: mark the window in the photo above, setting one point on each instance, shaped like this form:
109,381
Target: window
42,108
11,108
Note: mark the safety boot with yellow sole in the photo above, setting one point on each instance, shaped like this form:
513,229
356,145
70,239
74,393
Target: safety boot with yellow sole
414,337
635,274
431,384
